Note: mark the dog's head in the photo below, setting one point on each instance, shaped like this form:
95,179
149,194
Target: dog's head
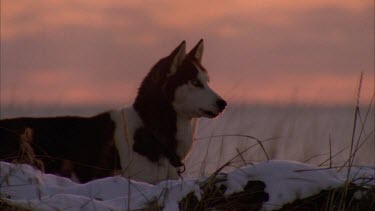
187,87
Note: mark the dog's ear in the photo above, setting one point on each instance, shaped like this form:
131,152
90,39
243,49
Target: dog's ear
178,55
197,51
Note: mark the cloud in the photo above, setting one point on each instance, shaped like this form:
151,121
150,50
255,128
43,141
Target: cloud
25,16
90,47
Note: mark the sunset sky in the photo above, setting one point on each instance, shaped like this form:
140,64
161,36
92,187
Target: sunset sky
97,51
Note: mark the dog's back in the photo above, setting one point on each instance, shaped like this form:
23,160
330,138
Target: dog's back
68,146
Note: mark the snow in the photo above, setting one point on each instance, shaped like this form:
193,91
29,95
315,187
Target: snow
285,181
23,186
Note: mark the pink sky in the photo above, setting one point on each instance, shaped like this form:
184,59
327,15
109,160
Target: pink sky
97,51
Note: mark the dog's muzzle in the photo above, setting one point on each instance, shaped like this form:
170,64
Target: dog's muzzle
221,104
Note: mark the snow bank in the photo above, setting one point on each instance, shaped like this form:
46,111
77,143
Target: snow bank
287,181
23,186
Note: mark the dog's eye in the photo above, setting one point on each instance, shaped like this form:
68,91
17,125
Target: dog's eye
197,83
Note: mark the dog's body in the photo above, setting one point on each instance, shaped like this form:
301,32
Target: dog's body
145,142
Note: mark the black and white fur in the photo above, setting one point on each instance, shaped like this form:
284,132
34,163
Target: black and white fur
146,142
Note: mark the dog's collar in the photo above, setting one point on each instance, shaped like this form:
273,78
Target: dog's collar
181,169
177,163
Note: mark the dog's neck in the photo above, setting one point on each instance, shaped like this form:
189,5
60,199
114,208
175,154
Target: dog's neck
149,145
163,133
137,166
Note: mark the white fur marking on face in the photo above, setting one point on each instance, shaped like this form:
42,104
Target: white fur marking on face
202,74
192,101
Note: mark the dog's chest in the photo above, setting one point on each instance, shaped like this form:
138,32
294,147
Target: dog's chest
185,135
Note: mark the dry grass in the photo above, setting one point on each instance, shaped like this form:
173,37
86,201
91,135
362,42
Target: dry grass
346,198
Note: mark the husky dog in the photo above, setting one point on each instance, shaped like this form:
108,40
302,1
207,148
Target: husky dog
147,142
